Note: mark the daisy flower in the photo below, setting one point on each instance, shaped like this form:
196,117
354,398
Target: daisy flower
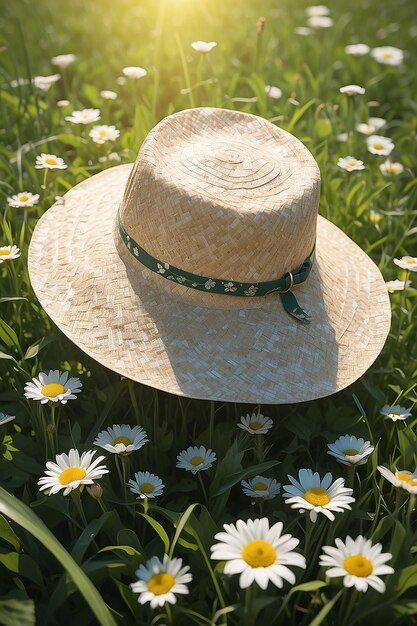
391,168
261,487
257,552
395,412
85,116
358,561
7,253
320,21
159,581
71,471
357,49
255,424
316,495
44,83
196,459
24,198
108,94
388,55
402,478
375,217
373,124
379,145
54,386
121,439
6,418
352,90
397,285
146,485
317,10
203,46
350,164
342,137
273,92
63,60
19,82
349,450
50,162
101,134
407,263
134,72
303,31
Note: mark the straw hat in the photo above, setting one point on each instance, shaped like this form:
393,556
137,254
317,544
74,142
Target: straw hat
205,271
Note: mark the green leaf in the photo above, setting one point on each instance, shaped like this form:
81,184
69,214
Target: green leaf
298,114
11,299
10,560
17,612
159,529
7,533
36,347
7,335
312,585
128,549
87,536
71,140
407,578
181,523
12,508
255,470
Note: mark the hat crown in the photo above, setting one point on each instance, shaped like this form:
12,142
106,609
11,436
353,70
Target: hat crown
224,194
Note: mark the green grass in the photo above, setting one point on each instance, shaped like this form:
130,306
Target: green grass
109,538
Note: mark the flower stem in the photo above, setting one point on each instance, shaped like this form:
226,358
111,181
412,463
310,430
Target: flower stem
168,612
212,574
203,489
350,479
259,450
76,498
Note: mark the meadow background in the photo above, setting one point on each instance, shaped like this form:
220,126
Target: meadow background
108,538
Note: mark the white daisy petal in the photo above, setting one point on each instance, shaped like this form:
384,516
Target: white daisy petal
354,561
257,552
160,581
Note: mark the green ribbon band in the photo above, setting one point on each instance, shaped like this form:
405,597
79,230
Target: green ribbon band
283,285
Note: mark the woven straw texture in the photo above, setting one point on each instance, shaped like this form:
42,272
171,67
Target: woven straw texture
223,194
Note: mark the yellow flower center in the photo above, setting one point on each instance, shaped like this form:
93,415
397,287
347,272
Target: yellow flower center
350,452
259,487
103,133
255,425
317,496
196,460
410,261
147,488
160,583
51,161
5,252
52,390
259,553
125,440
378,146
395,414
70,474
387,55
407,478
23,198
352,162
358,565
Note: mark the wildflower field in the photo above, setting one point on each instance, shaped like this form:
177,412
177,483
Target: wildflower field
122,504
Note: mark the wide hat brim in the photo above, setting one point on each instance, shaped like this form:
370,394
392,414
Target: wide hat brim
251,352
